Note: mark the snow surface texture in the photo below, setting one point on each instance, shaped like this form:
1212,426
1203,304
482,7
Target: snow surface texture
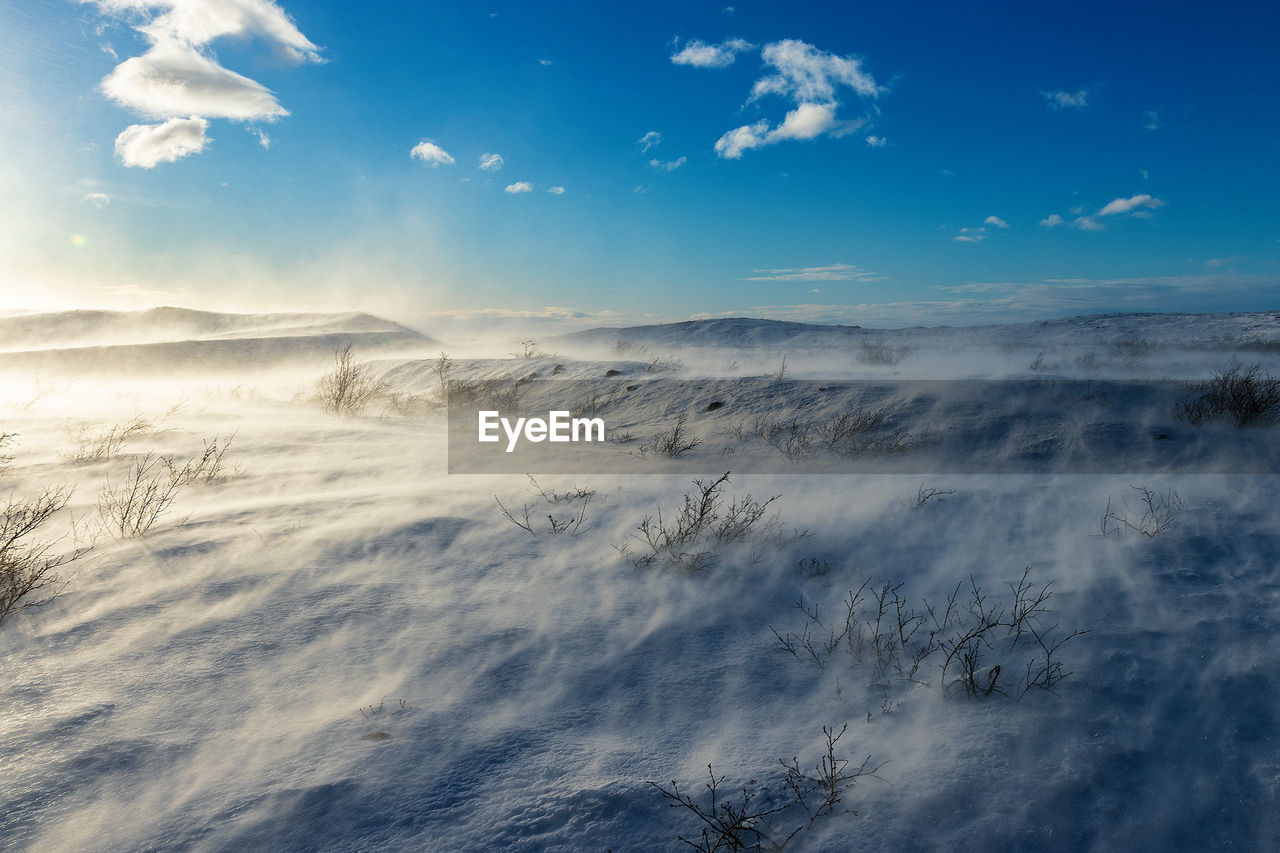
334,645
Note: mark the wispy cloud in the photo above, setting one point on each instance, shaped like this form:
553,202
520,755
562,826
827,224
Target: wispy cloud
431,154
700,54
1063,100
812,79
877,141
1139,205
556,190
147,145
668,165
652,139
995,221
491,162
263,139
834,272
175,78
519,187
1151,120
98,200
1128,205
544,62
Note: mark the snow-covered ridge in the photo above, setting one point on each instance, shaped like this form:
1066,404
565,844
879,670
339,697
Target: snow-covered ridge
1250,329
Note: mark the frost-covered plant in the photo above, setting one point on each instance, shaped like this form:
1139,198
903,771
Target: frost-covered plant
1155,514
672,443
1240,394
29,574
349,388
690,537
769,816
964,646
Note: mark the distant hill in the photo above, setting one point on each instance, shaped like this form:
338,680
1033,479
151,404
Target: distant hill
1246,330
160,339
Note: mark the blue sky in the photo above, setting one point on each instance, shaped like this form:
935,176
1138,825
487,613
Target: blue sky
886,164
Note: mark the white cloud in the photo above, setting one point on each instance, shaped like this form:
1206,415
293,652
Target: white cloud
174,79
651,139
146,145
98,200
544,62
1061,100
263,139
877,141
995,221
1053,220
699,54
491,162
556,190
805,122
1088,223
431,154
806,74
1127,205
834,272
1151,120
519,187
971,235
811,79
668,165
199,22
738,140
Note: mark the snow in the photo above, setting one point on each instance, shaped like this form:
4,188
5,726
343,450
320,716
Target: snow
341,646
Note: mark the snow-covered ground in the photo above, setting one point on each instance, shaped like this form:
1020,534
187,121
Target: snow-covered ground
335,644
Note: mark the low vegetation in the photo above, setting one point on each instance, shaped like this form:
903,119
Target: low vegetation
29,567
350,388
969,645
770,815
1241,394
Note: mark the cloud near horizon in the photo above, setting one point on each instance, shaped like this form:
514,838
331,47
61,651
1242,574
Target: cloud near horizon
834,272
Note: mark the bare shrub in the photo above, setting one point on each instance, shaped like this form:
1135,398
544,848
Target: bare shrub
349,388
881,353
1133,351
688,539
133,505
529,349
969,642
924,495
1240,394
29,574
96,442
663,364
672,443
6,440
769,817
443,367
848,435
1156,513
571,523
